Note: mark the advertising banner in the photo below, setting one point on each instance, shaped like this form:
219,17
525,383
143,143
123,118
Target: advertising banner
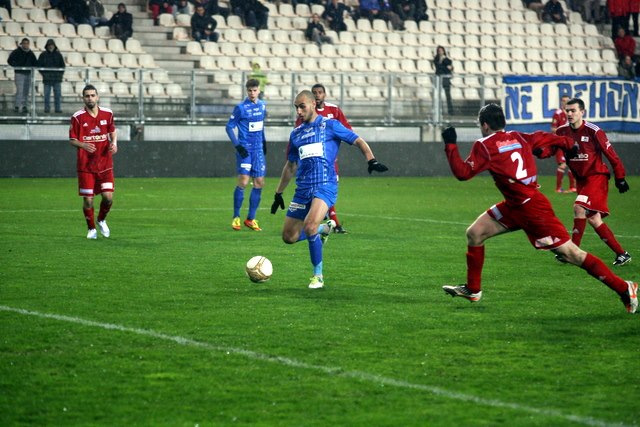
611,103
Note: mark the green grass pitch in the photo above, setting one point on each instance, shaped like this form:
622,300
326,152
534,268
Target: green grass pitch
158,325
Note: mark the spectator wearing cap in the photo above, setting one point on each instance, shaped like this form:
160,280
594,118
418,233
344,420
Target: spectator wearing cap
51,64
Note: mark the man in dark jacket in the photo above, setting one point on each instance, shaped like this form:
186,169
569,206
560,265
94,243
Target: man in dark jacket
203,26
76,12
52,79
253,13
22,57
334,15
315,31
121,23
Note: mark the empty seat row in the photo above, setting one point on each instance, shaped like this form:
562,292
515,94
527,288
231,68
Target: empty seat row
111,60
32,29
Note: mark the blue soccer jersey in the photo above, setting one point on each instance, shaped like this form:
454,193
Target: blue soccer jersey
248,117
314,146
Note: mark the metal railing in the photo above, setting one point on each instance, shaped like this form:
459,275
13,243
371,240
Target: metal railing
197,96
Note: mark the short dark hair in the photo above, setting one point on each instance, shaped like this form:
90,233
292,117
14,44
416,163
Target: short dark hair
252,83
319,86
492,115
89,87
578,101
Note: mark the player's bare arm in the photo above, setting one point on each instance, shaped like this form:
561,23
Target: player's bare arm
91,148
113,145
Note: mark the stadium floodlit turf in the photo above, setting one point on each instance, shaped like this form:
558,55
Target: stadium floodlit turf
158,325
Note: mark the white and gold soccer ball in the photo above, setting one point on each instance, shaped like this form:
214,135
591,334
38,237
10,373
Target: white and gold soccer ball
259,269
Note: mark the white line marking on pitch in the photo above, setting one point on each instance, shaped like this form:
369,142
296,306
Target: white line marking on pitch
337,371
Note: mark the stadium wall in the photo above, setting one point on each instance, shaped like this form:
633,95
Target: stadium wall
204,151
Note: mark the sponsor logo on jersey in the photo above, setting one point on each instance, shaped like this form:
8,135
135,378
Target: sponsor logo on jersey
256,126
584,139
94,138
96,130
315,149
510,145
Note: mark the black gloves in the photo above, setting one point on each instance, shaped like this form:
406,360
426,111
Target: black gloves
449,135
264,147
537,152
621,185
572,153
278,202
375,165
242,151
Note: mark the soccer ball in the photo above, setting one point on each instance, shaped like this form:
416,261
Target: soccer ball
259,269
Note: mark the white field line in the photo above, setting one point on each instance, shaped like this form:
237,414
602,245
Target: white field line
342,213
329,370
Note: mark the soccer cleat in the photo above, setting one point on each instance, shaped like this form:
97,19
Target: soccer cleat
462,291
104,228
622,259
329,226
339,230
559,190
235,224
92,234
317,283
630,297
252,224
573,190
561,259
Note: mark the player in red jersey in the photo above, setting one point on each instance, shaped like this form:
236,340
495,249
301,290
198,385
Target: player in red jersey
93,133
560,118
592,176
508,156
332,111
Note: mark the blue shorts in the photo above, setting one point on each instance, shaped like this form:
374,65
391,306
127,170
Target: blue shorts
253,165
301,202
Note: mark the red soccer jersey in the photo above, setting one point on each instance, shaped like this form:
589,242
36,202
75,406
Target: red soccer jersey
559,118
86,128
508,158
593,143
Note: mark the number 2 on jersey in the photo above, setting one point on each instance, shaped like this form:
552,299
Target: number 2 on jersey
520,172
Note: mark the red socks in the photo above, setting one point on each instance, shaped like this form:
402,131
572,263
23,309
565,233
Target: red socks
333,215
475,261
88,215
578,230
607,236
596,268
105,207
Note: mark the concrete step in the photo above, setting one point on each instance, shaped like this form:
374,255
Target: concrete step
175,64
163,52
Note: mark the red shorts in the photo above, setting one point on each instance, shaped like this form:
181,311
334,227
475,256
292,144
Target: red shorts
536,218
593,193
560,156
91,184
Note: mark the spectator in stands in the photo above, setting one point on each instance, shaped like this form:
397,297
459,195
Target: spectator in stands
635,10
213,8
203,26
315,31
96,13
22,56
182,8
627,69
589,10
52,79
333,14
159,6
76,12
444,69
121,24
260,76
253,13
553,12
536,6
619,12
381,9
625,44
421,11
7,5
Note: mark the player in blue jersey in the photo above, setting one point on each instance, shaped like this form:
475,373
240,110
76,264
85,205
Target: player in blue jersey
251,146
311,154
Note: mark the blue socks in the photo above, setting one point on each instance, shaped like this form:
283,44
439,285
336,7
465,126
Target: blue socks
238,198
315,250
254,202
